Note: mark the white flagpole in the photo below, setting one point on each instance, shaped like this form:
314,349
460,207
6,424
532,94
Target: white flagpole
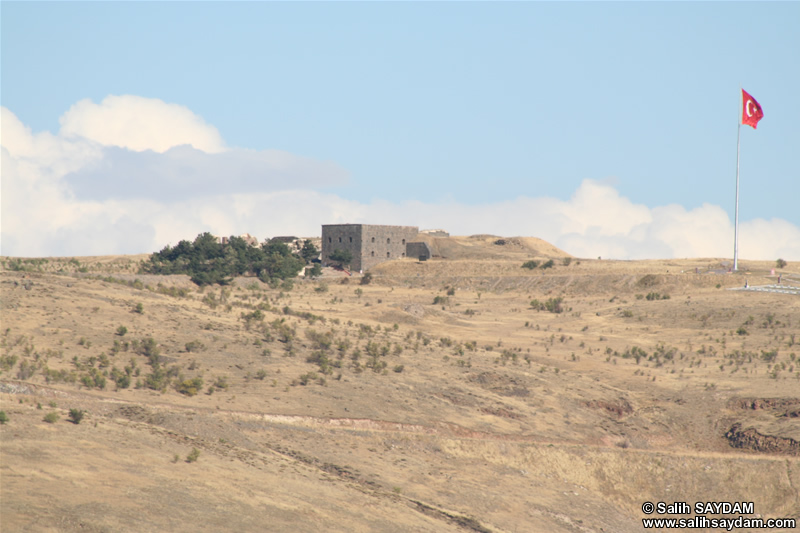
736,215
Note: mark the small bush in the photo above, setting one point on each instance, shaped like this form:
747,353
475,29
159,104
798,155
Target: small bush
76,415
3,417
366,279
399,368
554,304
567,261
315,271
780,263
742,331
138,308
548,264
193,455
190,387
194,346
121,331
51,418
530,265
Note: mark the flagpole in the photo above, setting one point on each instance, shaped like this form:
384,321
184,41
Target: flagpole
736,211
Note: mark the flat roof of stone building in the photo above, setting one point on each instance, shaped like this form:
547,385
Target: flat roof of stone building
372,225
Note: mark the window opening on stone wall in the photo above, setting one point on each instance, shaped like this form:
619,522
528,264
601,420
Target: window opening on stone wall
403,254
388,254
388,241
404,242
340,239
330,240
373,239
373,253
351,239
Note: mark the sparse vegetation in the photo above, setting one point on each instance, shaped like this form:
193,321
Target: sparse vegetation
356,392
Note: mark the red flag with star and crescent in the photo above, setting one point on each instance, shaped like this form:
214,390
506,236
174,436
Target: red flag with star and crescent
751,110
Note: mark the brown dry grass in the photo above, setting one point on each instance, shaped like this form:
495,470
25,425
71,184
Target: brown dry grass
503,418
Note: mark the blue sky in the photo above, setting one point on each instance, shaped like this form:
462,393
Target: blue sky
407,112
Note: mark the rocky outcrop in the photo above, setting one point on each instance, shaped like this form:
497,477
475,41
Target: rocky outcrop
751,439
757,404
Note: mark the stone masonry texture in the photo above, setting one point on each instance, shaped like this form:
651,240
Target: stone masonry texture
369,244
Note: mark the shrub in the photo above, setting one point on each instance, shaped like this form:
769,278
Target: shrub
742,331
193,455
121,331
548,264
3,417
190,387
780,263
51,418
554,304
530,265
366,279
7,362
399,368
566,261
305,378
441,300
315,271
194,346
138,308
76,415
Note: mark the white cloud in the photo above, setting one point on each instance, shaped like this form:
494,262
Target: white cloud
101,187
139,124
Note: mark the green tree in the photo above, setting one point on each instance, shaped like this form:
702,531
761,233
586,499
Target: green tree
315,271
309,252
342,257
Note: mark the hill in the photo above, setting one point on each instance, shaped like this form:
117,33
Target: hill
442,396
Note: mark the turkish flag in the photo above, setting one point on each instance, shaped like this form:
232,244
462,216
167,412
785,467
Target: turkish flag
751,110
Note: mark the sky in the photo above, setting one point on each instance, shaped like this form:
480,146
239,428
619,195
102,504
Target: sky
606,128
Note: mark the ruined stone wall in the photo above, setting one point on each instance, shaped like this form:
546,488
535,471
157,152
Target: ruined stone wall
418,250
369,244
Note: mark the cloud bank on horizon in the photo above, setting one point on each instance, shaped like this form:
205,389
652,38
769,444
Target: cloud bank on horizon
133,174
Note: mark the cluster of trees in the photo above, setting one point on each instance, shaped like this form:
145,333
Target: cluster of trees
208,261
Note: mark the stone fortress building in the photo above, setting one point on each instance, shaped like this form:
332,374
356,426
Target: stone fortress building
370,244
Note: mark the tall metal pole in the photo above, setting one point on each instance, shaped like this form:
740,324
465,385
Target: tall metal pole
736,212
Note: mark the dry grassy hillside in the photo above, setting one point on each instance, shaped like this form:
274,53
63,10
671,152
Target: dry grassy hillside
443,396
